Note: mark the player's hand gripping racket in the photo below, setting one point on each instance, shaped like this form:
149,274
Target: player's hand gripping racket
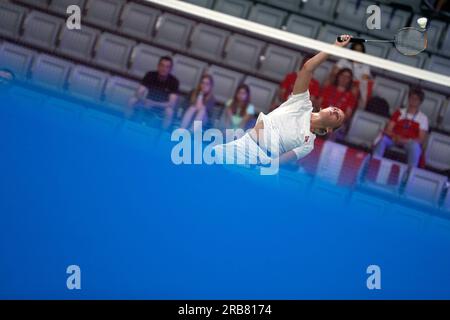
408,41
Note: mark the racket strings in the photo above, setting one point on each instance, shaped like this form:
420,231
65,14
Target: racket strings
410,41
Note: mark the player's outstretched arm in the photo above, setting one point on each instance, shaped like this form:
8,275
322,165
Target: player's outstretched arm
306,72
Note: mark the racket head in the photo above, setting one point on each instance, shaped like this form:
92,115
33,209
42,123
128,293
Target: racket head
411,41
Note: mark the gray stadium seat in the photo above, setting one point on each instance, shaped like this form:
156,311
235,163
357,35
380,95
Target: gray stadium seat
445,116
41,30
202,3
60,6
16,58
321,9
323,71
289,5
329,33
243,52
437,153
413,61
267,15
104,13
352,16
390,24
36,3
173,31
237,8
364,128
138,20
278,62
11,18
262,93
445,48
393,91
188,71
118,92
424,186
113,51
78,44
303,26
208,42
377,49
86,82
431,106
225,82
51,72
438,64
434,31
145,58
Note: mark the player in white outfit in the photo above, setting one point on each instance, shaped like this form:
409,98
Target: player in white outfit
287,133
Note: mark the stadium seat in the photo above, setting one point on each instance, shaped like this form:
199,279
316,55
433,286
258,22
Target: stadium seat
41,30
173,31
145,58
36,3
225,82
437,153
86,82
431,106
434,31
438,64
113,52
384,174
267,15
278,62
446,203
118,92
262,93
60,6
202,3
364,128
78,44
393,91
329,33
321,9
445,116
289,5
104,13
11,18
208,42
394,20
138,20
413,61
51,72
323,71
188,71
424,186
16,58
303,26
237,8
445,48
377,49
352,14
243,52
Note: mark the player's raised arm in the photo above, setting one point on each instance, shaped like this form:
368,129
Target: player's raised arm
306,72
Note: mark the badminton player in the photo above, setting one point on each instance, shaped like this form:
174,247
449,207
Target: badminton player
287,133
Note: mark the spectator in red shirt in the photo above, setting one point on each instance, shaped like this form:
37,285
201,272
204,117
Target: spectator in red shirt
407,129
339,94
287,86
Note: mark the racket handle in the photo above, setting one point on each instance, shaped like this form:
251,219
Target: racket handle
356,40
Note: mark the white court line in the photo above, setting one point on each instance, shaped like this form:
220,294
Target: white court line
294,39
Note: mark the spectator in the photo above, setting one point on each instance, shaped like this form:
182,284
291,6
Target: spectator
407,129
158,90
362,79
339,93
201,102
6,78
239,111
287,86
